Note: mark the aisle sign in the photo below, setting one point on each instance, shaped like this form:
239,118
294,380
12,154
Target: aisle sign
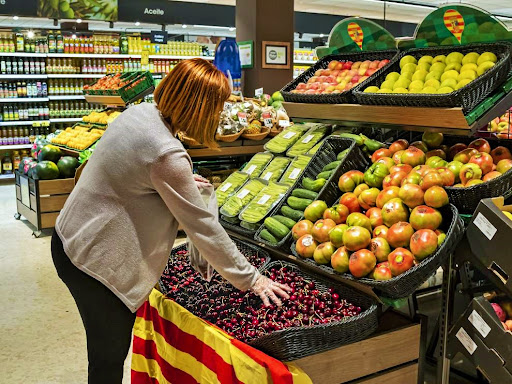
159,37
144,58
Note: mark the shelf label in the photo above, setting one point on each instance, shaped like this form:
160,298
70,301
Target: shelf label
258,92
289,135
267,176
264,199
479,323
308,138
225,187
485,226
242,118
267,119
250,170
243,193
295,173
466,340
144,57
284,123
227,106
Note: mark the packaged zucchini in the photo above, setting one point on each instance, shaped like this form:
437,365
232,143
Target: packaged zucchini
257,164
275,169
236,202
295,169
230,185
286,138
315,149
263,202
308,141
231,220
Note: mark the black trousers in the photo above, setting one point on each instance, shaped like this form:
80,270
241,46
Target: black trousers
108,322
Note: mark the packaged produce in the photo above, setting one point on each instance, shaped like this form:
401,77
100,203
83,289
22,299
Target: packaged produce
230,185
275,169
286,139
264,201
232,220
256,165
242,197
249,226
79,137
308,141
315,149
105,117
295,169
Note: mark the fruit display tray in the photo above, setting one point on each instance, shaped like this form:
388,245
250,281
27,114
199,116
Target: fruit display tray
333,98
467,97
405,284
355,159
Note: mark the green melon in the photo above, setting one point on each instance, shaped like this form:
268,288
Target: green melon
50,153
67,166
45,170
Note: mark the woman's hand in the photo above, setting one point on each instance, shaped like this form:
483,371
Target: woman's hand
200,180
266,288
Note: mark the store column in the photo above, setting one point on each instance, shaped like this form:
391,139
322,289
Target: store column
270,21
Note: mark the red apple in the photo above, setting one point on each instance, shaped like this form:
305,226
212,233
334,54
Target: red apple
387,194
399,145
454,149
361,263
424,217
374,64
382,152
500,153
375,216
381,231
349,200
383,63
436,197
394,179
504,165
355,65
400,167
481,145
491,175
380,248
356,238
423,243
306,246
400,261
399,234
411,195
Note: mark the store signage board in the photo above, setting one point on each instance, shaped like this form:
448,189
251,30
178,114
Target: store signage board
12,7
275,55
159,37
107,10
150,11
246,50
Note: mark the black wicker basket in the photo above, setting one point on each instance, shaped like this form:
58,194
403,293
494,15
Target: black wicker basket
466,97
244,248
406,283
330,192
332,98
237,228
295,343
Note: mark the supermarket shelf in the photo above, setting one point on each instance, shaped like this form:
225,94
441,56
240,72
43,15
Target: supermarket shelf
304,62
7,177
66,120
24,100
26,122
21,77
76,75
15,146
67,97
23,54
225,151
173,57
92,55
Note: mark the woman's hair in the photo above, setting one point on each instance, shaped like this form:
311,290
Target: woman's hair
191,98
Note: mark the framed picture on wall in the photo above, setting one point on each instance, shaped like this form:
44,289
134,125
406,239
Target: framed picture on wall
275,54
246,53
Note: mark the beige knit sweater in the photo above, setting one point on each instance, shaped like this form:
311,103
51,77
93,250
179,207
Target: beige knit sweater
120,222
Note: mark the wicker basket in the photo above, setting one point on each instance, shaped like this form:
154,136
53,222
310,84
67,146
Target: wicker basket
333,98
330,192
274,132
229,138
466,97
257,136
295,343
406,283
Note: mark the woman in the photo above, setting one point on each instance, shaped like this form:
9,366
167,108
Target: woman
114,235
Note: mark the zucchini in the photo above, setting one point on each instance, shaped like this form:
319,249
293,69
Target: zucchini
276,228
324,175
313,185
292,213
298,203
267,236
285,220
342,154
331,166
304,193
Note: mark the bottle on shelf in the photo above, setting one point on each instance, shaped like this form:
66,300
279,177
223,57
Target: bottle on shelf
7,164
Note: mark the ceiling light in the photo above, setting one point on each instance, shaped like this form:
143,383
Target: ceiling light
137,23
231,29
73,36
321,35
15,17
30,34
184,26
78,21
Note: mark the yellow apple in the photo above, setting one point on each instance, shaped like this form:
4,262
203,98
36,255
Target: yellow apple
385,90
487,56
445,90
471,57
407,59
439,59
429,90
433,75
371,89
425,59
392,76
454,57
416,84
432,83
462,83
402,82
409,67
469,74
438,67
400,90
424,66
451,74
484,67
420,74
469,66
388,84
455,66
452,83
407,75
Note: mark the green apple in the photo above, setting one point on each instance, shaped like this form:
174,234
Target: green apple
402,82
409,67
416,84
371,89
393,76
452,83
469,74
451,74
445,90
388,84
471,57
487,56
454,66
385,90
469,66
425,59
454,57
433,75
462,83
407,59
429,90
439,59
400,90
432,83
420,74
438,67
484,67
424,66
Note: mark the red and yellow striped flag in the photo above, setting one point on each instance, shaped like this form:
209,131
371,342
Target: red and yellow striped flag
173,346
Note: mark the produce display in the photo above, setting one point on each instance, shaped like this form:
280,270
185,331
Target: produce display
275,169
308,141
105,117
110,82
283,141
440,74
257,164
229,186
503,310
262,203
295,169
502,126
79,137
240,199
48,164
339,76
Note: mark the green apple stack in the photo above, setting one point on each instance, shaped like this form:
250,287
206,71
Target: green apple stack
440,74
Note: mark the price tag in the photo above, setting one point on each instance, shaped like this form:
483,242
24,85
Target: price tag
485,226
258,92
479,323
264,199
267,176
242,118
284,123
225,187
308,138
267,119
250,170
466,340
243,193
289,135
295,173
227,106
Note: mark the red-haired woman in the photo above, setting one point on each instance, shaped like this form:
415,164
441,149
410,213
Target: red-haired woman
114,235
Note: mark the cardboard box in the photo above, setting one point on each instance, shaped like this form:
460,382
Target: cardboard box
490,237
481,338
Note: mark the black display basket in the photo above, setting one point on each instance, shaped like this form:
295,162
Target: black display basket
406,283
244,248
354,160
333,98
295,343
237,228
467,97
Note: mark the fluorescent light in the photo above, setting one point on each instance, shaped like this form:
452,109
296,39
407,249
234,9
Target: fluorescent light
210,26
184,26
137,23
321,35
73,36
15,17
30,34
232,29
78,21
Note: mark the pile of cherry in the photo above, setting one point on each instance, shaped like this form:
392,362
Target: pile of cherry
242,314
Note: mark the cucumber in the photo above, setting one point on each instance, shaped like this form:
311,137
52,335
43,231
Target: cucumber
276,228
313,185
266,235
304,193
298,203
342,154
331,166
285,220
292,213
324,175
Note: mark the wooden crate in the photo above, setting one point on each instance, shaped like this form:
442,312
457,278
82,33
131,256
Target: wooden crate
40,201
388,356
